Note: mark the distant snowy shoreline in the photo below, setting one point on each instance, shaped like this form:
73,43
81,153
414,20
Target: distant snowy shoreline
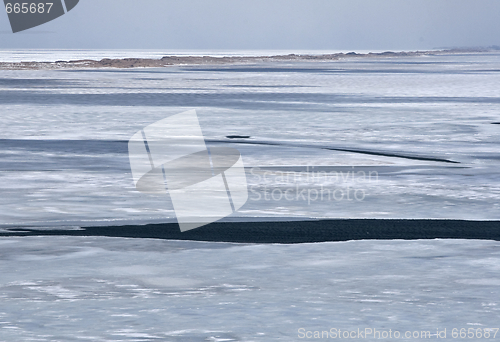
210,59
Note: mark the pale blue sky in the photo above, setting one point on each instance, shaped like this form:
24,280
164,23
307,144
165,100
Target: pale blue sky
265,24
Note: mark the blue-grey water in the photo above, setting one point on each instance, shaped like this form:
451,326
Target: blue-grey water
424,127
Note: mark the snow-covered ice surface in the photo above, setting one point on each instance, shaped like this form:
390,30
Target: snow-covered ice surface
64,138
116,289
63,162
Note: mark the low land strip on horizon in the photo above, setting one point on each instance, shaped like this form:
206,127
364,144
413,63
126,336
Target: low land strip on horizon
212,60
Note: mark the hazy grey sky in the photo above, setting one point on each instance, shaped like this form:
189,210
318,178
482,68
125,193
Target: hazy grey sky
265,24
